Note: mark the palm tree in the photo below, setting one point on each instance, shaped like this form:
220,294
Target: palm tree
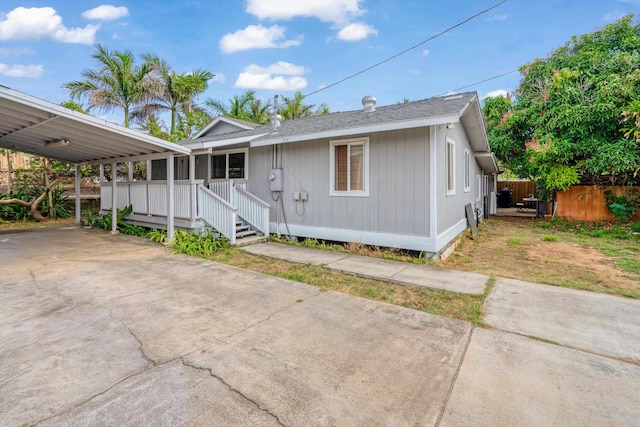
294,108
173,92
239,107
117,84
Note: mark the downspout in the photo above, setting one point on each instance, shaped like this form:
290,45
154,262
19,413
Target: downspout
433,183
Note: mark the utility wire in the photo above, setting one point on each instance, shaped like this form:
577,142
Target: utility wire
477,83
408,49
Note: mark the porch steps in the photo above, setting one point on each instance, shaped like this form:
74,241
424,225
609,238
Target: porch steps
250,240
245,235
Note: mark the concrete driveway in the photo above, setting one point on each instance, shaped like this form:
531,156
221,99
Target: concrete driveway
98,329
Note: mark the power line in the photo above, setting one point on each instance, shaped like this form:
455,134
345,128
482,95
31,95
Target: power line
408,49
481,81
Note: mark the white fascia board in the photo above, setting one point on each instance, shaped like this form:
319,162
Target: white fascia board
59,110
382,127
140,158
218,120
218,143
487,161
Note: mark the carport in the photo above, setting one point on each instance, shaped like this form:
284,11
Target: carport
39,127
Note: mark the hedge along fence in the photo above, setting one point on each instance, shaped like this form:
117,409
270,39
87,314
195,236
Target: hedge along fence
519,189
588,203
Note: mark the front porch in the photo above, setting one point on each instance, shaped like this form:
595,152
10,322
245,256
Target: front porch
223,205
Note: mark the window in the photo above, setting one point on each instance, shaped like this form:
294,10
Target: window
467,171
450,165
349,163
229,165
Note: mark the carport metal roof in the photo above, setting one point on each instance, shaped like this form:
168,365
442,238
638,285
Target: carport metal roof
27,123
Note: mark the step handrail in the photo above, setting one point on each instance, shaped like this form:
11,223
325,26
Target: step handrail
252,209
217,213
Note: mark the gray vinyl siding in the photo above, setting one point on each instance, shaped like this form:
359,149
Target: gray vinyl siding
451,209
398,184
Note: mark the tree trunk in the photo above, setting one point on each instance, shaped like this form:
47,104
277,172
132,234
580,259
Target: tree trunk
32,205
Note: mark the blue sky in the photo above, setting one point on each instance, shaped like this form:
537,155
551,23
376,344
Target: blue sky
281,46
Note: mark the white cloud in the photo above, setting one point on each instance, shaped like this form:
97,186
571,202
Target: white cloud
425,52
256,77
414,71
502,17
494,93
43,22
106,12
356,31
612,16
339,12
5,52
342,14
220,78
17,70
279,67
255,37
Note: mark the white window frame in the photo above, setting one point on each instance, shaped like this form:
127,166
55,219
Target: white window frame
480,187
450,166
467,171
332,166
226,154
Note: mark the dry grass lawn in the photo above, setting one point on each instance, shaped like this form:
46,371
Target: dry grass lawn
536,251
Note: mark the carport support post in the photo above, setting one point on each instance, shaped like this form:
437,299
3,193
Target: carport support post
192,177
114,198
77,194
170,205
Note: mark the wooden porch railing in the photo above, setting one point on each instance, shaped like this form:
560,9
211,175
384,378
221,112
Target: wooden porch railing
217,213
252,209
222,187
193,201
150,197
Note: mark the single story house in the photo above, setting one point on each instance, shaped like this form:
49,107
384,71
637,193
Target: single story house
397,176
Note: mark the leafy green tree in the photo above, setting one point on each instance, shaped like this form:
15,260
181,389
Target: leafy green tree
117,84
564,124
72,105
294,108
173,92
239,107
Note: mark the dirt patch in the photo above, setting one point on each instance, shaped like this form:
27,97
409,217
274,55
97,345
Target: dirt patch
576,259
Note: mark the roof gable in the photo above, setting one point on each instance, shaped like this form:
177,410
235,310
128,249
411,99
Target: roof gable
222,124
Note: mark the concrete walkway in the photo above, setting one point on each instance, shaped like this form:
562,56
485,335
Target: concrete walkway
109,330
375,268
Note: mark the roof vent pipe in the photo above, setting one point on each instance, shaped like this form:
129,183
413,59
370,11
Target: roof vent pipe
369,103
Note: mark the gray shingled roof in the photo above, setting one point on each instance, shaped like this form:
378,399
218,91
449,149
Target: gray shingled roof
427,108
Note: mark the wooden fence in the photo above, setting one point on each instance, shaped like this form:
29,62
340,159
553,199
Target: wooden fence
588,203
519,189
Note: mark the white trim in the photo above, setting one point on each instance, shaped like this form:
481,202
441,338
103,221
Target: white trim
404,241
467,171
332,175
219,143
226,153
433,182
450,163
222,119
382,127
480,190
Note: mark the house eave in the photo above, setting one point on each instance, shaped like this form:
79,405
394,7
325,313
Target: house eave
274,139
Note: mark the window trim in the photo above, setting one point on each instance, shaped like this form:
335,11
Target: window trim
332,172
450,166
226,154
467,171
